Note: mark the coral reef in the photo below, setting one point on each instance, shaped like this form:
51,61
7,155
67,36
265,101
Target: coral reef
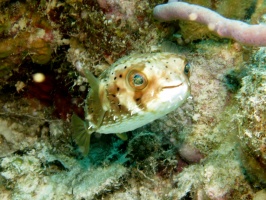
252,119
143,145
213,147
211,179
25,33
39,175
22,123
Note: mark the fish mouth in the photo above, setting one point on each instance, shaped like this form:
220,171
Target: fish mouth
171,86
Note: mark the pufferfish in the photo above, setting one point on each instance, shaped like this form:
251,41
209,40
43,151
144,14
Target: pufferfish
132,92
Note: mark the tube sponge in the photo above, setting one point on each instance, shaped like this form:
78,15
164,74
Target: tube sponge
254,35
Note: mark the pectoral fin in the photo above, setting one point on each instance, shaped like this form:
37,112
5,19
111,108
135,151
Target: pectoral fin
95,100
122,136
81,134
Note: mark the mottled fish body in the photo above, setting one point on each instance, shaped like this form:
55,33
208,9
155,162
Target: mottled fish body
134,91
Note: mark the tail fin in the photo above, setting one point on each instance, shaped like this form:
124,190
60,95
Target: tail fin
81,135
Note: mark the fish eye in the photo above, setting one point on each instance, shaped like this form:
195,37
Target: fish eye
137,80
187,69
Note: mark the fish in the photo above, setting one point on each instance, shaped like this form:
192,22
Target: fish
132,92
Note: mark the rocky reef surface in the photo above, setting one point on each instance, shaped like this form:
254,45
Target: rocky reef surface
213,147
